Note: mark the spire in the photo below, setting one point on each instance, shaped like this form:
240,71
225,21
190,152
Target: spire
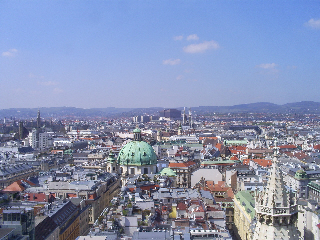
276,211
38,119
184,116
190,117
275,192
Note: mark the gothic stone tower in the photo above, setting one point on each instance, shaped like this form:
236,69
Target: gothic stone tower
276,209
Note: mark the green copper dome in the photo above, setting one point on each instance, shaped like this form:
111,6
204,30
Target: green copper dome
300,174
137,153
137,130
168,172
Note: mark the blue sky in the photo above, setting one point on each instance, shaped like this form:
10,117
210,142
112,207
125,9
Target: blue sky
158,53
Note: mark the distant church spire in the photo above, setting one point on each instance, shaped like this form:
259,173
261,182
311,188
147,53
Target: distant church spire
38,119
190,117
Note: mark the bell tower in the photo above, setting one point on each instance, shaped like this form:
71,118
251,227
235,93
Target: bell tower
112,165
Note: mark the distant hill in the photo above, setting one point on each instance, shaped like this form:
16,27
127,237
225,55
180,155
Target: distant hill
72,112
265,107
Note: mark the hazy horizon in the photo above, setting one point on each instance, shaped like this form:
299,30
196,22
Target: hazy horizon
167,107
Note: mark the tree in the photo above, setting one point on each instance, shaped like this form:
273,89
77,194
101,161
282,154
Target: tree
100,219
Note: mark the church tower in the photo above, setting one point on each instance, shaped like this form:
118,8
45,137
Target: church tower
276,209
38,120
190,118
112,166
180,130
184,116
159,136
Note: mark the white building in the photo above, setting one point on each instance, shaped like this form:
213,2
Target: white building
33,141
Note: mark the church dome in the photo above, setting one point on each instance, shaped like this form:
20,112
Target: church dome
300,174
137,130
168,172
137,153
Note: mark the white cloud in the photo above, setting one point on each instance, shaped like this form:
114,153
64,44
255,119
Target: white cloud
201,47
292,67
313,23
177,38
193,37
180,77
171,61
19,90
58,90
193,80
48,83
10,53
267,65
33,76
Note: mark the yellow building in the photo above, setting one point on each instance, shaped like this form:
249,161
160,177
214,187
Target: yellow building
244,213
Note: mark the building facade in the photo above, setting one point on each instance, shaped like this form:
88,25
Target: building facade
243,214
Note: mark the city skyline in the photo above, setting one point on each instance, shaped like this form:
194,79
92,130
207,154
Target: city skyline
157,54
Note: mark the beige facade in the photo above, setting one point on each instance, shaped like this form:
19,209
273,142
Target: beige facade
243,214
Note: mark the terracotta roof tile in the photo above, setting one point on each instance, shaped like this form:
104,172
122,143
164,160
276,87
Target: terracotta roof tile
181,164
18,186
287,146
261,162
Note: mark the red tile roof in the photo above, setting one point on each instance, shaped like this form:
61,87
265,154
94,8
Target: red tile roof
316,147
71,195
56,151
300,155
18,186
246,161
181,164
201,138
261,162
220,187
234,158
181,206
287,146
219,146
238,148
36,197
92,196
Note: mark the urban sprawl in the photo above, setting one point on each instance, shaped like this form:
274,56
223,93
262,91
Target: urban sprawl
172,175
